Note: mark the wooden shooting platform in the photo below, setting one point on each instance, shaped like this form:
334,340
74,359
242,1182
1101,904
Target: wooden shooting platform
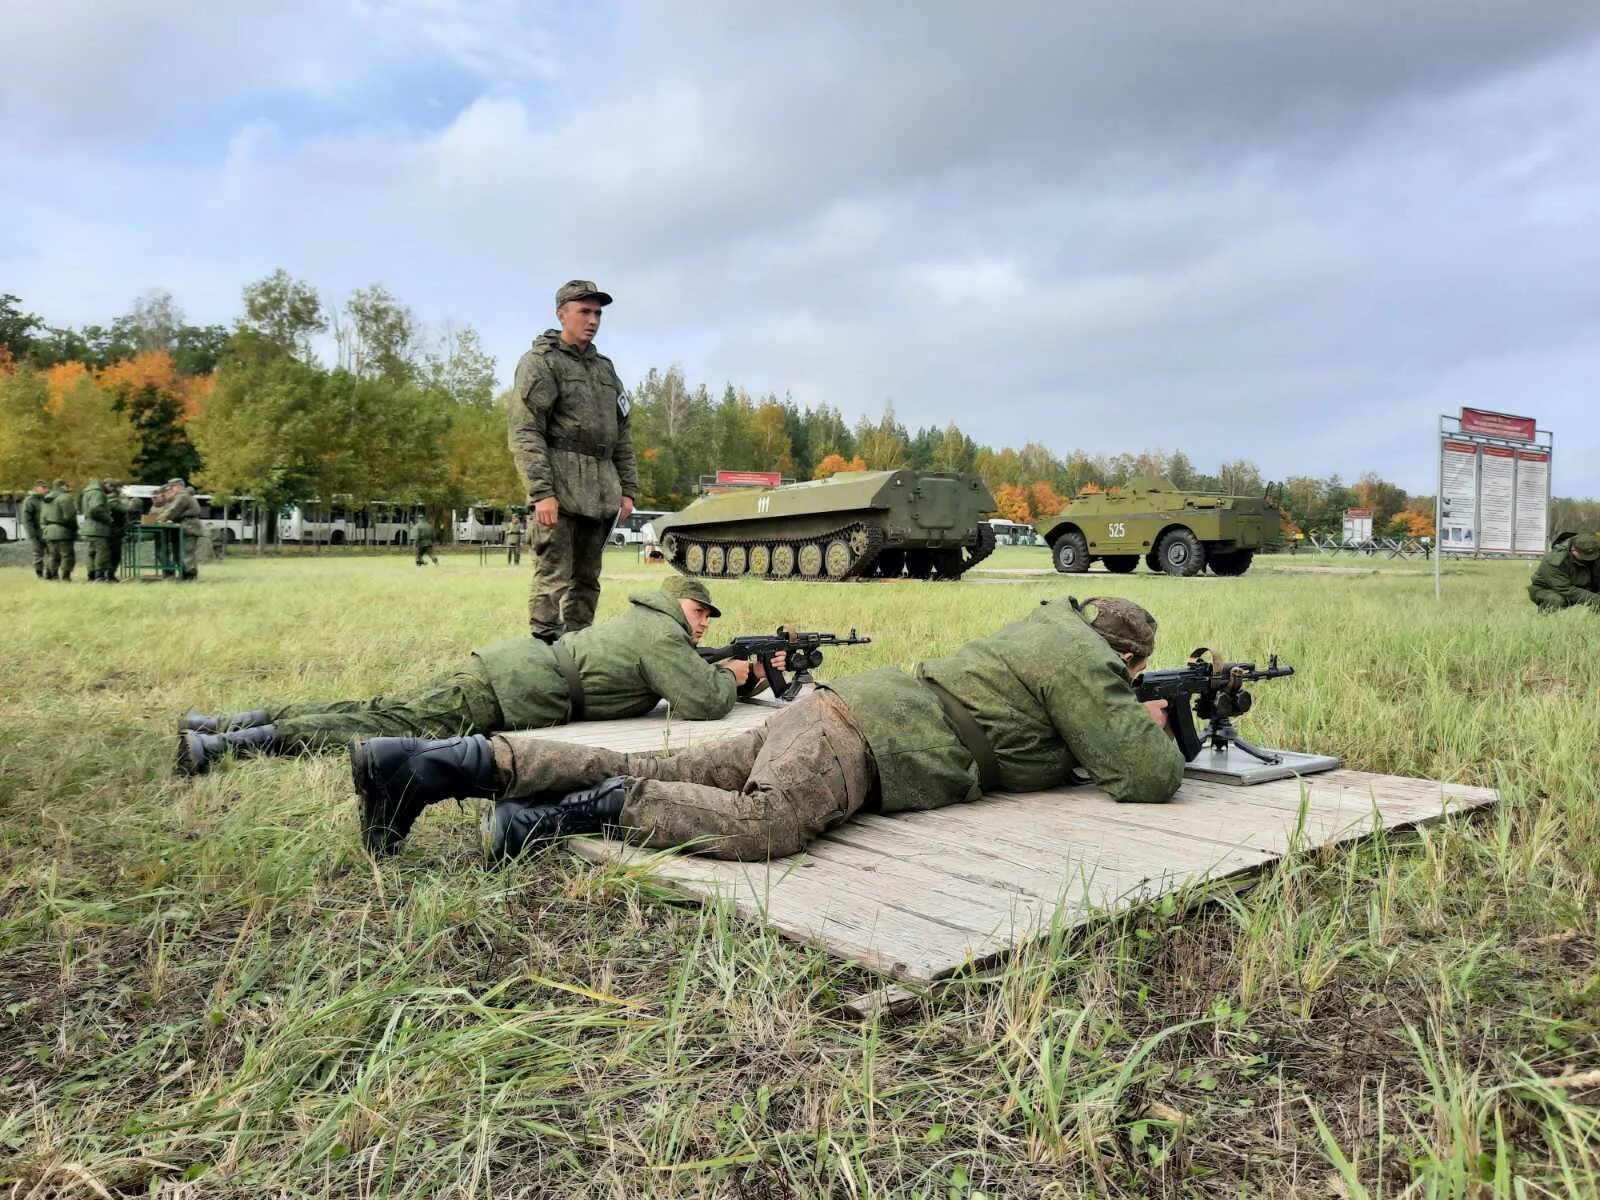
916,896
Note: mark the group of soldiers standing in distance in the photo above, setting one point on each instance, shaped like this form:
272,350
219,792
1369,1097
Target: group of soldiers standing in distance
53,519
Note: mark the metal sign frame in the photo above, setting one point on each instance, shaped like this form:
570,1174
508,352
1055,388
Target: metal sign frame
1543,441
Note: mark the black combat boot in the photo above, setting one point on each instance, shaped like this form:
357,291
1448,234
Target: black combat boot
38,570
197,722
511,826
397,777
197,752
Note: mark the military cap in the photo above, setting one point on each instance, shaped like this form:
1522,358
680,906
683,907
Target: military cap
44,483
60,483
1586,547
1126,627
176,481
680,587
580,289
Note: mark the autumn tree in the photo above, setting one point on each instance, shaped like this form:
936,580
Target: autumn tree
1011,502
155,399
378,336
1043,500
833,464
284,311
461,369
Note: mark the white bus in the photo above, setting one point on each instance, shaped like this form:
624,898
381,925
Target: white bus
631,531
380,523
480,523
1013,533
10,519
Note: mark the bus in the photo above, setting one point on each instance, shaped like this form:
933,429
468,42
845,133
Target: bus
480,523
10,518
630,530
1014,533
378,523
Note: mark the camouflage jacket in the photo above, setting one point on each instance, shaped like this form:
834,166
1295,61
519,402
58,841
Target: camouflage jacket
627,665
1048,692
59,517
183,509
568,425
96,509
422,533
1575,582
33,517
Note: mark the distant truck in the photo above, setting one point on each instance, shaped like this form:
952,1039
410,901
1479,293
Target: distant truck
1178,532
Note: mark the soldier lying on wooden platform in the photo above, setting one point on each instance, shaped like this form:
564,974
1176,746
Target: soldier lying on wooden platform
1017,711
622,668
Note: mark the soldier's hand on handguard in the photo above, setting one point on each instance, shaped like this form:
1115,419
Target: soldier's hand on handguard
1158,711
546,511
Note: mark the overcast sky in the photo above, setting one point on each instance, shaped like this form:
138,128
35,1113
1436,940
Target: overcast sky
1285,231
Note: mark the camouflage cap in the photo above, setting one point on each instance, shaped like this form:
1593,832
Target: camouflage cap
1127,627
60,483
580,289
176,481
1586,547
680,587
44,483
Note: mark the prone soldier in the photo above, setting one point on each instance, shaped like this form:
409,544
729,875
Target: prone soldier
33,526
622,668
1568,576
1018,711
60,520
568,428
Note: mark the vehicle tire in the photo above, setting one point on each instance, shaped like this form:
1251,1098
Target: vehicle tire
694,558
401,538
810,560
618,539
1231,562
1181,553
338,537
716,560
837,558
782,562
760,559
1121,564
738,557
229,536
1154,563
1070,553
3,538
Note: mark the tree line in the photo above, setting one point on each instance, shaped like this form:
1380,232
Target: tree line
408,414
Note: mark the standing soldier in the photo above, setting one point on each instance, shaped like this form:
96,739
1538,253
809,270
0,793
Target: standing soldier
124,510
33,525
183,510
568,421
1568,576
514,540
60,519
95,504
422,537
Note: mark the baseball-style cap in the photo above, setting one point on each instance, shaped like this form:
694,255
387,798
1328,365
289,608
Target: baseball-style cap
580,289
1126,627
1586,547
680,587
176,481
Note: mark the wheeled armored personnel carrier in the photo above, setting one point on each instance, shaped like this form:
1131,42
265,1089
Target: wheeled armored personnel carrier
856,525
1181,533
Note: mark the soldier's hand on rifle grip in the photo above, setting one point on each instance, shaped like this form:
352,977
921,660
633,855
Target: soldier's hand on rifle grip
546,511
1158,712
738,668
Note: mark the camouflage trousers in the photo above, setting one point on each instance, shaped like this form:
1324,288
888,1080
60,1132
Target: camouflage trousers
99,554
760,794
425,550
449,705
62,557
191,553
566,574
1549,601
41,554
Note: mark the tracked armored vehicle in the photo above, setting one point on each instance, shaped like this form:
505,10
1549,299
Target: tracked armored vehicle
1180,533
856,525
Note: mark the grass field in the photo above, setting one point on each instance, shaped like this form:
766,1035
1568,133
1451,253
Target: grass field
208,989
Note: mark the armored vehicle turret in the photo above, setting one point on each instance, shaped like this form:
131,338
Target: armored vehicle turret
856,525
1181,533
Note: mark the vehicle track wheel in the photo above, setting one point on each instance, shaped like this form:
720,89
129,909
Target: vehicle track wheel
782,562
1181,553
837,558
810,560
1233,562
1071,553
1121,564
716,560
760,560
1153,562
738,557
694,559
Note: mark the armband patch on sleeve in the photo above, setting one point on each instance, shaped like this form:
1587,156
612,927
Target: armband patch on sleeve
623,404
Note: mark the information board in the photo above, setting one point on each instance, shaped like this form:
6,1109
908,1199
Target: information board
1497,475
1357,526
1458,495
1533,501
1498,425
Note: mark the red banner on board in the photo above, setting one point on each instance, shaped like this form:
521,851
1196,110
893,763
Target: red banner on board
1497,451
1534,455
1499,425
750,478
1461,447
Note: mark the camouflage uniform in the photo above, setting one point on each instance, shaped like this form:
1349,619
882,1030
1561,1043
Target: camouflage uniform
422,538
60,520
626,667
33,526
1049,693
514,542
183,510
95,505
568,424
1568,576
125,511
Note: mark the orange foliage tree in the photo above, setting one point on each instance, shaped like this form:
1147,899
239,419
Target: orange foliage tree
1011,500
833,464
1043,499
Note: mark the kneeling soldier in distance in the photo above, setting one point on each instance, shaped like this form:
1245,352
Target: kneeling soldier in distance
622,668
1568,576
1017,711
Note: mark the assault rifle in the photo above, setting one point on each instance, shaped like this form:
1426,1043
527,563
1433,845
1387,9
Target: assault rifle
802,653
1219,696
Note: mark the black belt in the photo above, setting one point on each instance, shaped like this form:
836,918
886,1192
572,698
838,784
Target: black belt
579,445
972,737
569,669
